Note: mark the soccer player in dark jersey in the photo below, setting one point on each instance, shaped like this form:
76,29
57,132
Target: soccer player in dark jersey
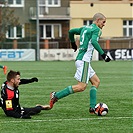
89,36
10,97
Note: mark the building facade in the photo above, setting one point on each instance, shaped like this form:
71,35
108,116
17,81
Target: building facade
56,17
53,16
119,15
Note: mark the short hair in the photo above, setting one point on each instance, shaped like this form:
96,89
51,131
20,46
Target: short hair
98,16
12,74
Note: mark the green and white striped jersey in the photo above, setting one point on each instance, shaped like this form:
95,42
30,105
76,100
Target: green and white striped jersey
89,36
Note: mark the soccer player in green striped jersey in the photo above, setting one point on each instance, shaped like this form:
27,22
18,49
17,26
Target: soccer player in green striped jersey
4,69
89,36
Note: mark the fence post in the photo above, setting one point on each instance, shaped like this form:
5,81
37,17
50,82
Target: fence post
46,45
108,44
15,44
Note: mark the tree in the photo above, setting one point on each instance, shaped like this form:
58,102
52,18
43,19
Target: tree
7,18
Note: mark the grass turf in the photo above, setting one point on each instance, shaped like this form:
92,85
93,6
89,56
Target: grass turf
70,114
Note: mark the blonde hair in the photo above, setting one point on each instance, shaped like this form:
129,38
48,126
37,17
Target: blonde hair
98,16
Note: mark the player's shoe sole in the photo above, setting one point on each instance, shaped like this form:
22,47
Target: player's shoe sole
53,99
92,110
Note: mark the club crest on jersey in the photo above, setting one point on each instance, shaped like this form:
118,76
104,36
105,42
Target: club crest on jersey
8,104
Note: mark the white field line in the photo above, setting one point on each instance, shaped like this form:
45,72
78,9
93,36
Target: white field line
58,120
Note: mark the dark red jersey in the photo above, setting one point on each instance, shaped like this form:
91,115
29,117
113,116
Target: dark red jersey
10,98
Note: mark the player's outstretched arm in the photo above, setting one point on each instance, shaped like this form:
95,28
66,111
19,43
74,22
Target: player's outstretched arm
27,81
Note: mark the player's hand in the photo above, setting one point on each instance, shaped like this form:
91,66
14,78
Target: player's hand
44,107
34,79
74,46
105,57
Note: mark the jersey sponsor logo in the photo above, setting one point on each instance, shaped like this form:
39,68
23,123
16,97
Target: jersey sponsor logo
8,104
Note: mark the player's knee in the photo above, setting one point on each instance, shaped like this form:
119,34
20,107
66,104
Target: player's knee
97,83
79,88
82,88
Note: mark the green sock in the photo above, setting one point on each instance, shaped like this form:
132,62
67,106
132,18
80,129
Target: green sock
65,92
93,98
1,66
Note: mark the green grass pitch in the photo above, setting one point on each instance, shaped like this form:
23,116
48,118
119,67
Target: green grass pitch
70,114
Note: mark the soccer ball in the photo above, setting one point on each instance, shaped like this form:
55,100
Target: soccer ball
101,109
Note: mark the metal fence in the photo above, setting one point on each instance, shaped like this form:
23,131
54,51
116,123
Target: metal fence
116,43
105,43
28,45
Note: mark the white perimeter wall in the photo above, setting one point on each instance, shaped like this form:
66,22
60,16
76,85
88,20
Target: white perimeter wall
45,54
61,54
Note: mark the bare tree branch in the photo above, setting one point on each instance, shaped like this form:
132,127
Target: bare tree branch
7,18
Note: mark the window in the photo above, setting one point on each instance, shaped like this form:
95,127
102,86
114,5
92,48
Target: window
87,22
50,3
15,32
10,1
41,31
15,3
43,9
50,31
41,2
127,27
45,4
56,31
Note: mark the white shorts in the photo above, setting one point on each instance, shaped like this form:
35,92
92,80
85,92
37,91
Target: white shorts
84,71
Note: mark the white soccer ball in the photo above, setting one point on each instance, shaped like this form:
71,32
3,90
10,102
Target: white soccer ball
101,109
